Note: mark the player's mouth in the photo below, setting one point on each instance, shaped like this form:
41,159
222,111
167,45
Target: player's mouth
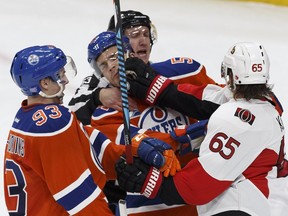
116,75
142,53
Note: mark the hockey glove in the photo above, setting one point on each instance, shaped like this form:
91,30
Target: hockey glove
143,82
156,153
190,137
138,177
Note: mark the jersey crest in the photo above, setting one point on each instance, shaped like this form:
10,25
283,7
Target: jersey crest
244,115
162,120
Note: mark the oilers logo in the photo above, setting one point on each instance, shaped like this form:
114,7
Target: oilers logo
33,59
161,119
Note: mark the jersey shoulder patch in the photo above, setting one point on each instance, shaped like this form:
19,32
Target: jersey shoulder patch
102,111
90,81
177,66
86,80
44,118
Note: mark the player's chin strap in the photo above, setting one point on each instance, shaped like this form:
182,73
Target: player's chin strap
58,94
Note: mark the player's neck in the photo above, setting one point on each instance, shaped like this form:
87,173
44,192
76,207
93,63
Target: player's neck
41,100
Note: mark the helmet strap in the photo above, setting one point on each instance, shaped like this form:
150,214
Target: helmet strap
58,94
229,80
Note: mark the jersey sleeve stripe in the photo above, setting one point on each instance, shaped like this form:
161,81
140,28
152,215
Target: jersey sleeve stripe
105,113
78,192
85,202
192,177
102,150
133,131
72,186
95,139
192,73
92,135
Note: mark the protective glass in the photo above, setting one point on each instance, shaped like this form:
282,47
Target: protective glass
110,58
70,71
137,31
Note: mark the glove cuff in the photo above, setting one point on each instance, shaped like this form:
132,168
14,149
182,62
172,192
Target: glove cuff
152,183
157,86
136,141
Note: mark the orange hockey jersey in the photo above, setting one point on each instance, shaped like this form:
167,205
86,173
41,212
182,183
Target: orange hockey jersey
50,167
110,122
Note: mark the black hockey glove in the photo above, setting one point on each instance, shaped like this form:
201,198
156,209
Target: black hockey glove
138,177
144,82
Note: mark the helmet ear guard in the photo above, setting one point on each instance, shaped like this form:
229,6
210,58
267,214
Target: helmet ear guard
248,62
70,68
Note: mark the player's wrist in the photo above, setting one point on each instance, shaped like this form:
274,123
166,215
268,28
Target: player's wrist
157,87
149,149
96,96
152,183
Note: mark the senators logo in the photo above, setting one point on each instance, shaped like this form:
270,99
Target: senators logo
245,115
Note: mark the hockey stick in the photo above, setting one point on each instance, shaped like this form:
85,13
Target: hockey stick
123,82
122,207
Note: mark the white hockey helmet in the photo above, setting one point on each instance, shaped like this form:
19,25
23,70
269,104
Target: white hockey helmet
249,63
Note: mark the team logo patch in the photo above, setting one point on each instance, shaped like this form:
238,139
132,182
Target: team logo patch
161,119
33,59
245,115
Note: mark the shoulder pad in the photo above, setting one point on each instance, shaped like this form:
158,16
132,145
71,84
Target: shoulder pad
44,118
177,66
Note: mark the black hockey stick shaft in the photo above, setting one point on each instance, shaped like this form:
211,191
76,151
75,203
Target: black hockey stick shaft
123,81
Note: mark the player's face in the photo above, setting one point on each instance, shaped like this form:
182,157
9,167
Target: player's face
140,41
54,90
107,62
63,81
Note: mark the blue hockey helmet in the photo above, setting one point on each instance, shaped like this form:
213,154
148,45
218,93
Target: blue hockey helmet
32,64
102,42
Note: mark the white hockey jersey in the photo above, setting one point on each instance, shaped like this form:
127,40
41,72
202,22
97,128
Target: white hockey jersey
239,161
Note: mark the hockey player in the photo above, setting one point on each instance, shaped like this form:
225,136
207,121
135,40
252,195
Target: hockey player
51,161
93,90
102,52
47,163
242,156
139,29
142,35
